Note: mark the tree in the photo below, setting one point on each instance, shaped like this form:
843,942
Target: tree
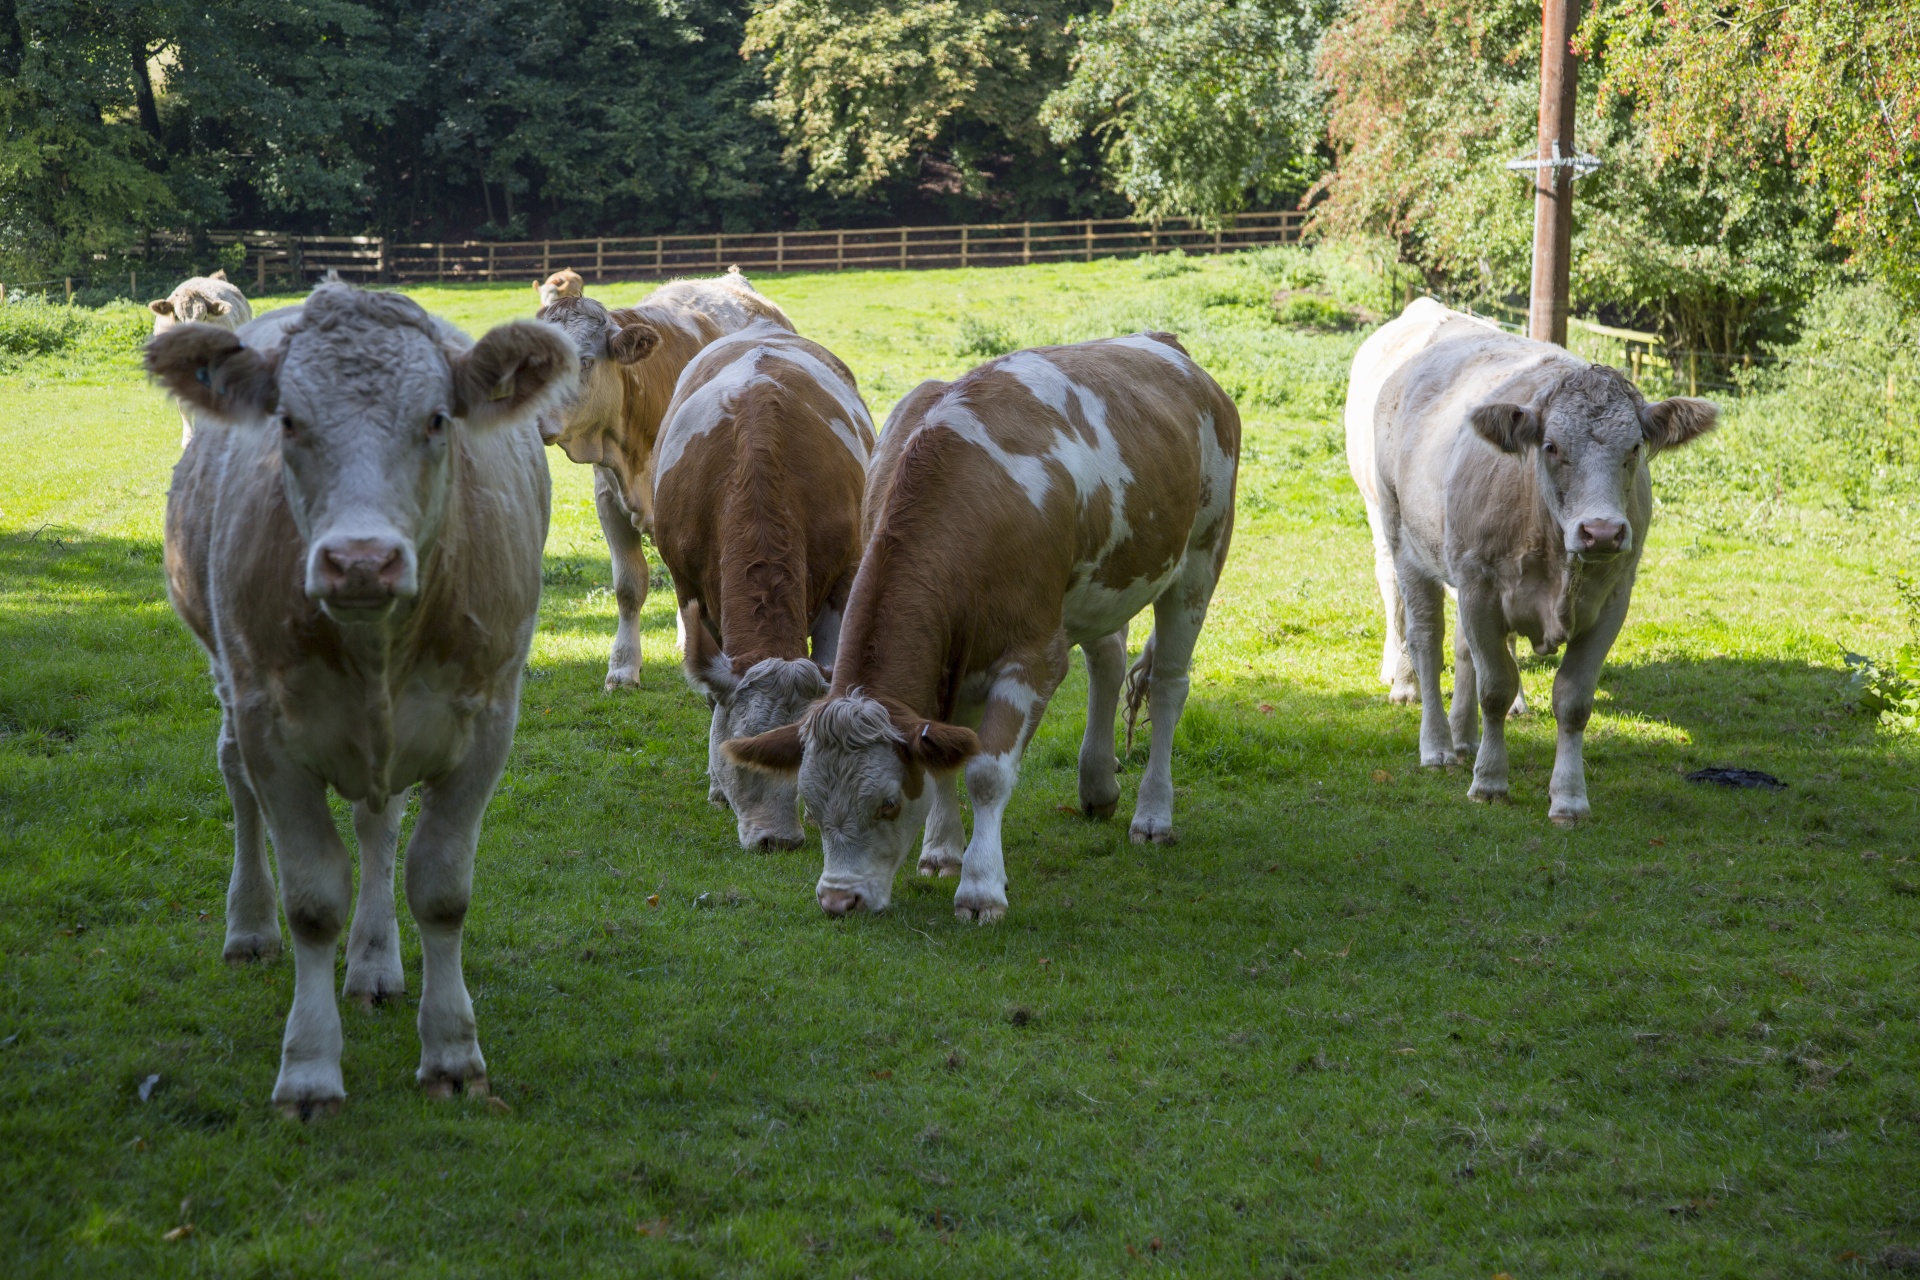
1203,106
1839,78
1430,98
941,93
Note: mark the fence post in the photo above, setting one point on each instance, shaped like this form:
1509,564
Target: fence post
439,262
659,255
546,253
1026,243
260,268
903,248
840,251
298,257
3,293
599,261
380,263
1216,240
489,264
1089,239
69,290
133,285
963,247
779,251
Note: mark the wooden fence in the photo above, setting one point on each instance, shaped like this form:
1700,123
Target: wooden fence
293,260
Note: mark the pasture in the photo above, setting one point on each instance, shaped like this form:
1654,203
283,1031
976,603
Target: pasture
1351,1024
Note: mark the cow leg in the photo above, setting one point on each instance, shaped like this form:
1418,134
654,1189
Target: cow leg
439,887
1496,677
943,845
1106,672
1519,692
1573,687
629,579
1425,605
1178,616
825,637
374,975
1015,703
1396,669
316,886
1463,721
253,906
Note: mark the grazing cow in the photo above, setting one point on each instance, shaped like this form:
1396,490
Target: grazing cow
758,478
564,283
629,362
1037,503
1515,473
211,300
358,550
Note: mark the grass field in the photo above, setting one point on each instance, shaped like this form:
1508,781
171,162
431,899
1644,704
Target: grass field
1353,1024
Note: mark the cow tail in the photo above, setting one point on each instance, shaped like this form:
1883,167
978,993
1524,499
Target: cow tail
1139,682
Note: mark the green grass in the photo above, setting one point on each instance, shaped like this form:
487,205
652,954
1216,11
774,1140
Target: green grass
1352,1024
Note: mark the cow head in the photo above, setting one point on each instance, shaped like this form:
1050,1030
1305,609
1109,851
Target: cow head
367,398
1591,435
187,305
769,694
863,766
603,343
564,283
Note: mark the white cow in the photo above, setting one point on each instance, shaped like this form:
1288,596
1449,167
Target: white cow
211,300
1516,473
357,546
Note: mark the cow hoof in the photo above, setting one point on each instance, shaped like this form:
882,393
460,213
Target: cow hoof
442,1087
372,993
1567,813
1404,695
718,799
1487,794
245,948
618,680
307,1110
938,864
1152,833
1099,812
986,913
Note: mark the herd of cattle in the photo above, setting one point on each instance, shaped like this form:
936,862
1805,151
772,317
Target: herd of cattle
355,530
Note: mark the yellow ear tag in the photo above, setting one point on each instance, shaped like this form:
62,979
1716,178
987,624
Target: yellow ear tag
501,389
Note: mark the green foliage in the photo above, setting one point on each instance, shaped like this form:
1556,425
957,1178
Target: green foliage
1890,690
1203,107
943,96
984,338
33,329
1833,83
1354,1025
1312,311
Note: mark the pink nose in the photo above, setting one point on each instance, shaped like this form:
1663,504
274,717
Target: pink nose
1602,535
838,902
361,569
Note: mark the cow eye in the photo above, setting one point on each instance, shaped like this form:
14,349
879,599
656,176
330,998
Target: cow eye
888,811
288,431
436,426
1549,448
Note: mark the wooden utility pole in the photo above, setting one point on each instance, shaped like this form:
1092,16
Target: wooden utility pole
1553,174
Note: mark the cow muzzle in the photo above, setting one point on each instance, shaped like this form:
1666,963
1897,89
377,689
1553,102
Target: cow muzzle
361,575
843,902
1601,538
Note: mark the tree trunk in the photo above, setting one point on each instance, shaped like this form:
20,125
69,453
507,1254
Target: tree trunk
143,92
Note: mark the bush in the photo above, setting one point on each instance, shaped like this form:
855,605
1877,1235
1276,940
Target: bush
1890,690
1312,311
33,329
984,338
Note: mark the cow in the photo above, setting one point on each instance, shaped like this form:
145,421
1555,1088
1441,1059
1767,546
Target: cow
211,300
1515,473
758,480
355,542
630,360
564,283
1034,504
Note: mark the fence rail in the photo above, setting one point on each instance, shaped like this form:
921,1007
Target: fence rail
293,260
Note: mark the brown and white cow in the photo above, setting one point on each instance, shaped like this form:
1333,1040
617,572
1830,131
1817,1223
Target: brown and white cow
758,479
211,300
564,283
356,542
1036,503
630,359
1515,473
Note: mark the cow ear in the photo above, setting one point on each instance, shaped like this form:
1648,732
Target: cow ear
215,307
708,668
221,274
941,748
775,751
210,369
161,306
1672,423
513,373
632,343
1509,428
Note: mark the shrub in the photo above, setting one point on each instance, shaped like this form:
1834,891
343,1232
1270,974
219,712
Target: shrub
31,328
984,338
1312,311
